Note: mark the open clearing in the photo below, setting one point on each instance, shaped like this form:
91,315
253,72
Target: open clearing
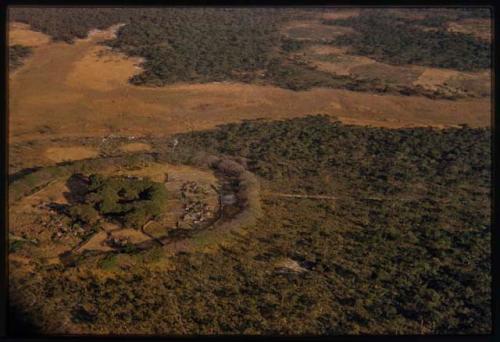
21,34
60,154
481,28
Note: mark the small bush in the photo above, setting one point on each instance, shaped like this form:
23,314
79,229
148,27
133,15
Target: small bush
84,213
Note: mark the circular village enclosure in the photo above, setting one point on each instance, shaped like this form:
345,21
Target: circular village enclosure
138,204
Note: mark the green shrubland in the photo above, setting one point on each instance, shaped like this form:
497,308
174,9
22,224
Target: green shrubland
405,249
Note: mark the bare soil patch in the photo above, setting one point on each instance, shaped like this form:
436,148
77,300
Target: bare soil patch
96,243
60,154
289,265
343,64
101,69
433,77
477,84
480,28
20,33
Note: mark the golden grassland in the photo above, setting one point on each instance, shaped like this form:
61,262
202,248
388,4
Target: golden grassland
71,91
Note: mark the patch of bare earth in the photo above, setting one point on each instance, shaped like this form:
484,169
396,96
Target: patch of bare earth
480,28
96,243
478,83
102,69
60,154
342,65
289,265
20,33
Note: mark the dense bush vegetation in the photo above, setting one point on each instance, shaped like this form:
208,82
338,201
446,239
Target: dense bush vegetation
17,53
66,24
404,249
398,40
209,44
130,201
199,44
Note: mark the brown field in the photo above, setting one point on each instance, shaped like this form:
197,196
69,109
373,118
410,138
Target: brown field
60,154
71,91
20,33
343,64
481,28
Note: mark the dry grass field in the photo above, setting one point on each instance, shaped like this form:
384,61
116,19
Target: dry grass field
68,90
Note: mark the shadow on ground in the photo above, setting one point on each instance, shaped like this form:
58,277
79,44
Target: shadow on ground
20,324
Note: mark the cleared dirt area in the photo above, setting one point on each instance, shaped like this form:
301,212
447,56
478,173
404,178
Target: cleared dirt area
60,154
343,65
102,70
481,28
95,243
45,93
432,77
21,34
